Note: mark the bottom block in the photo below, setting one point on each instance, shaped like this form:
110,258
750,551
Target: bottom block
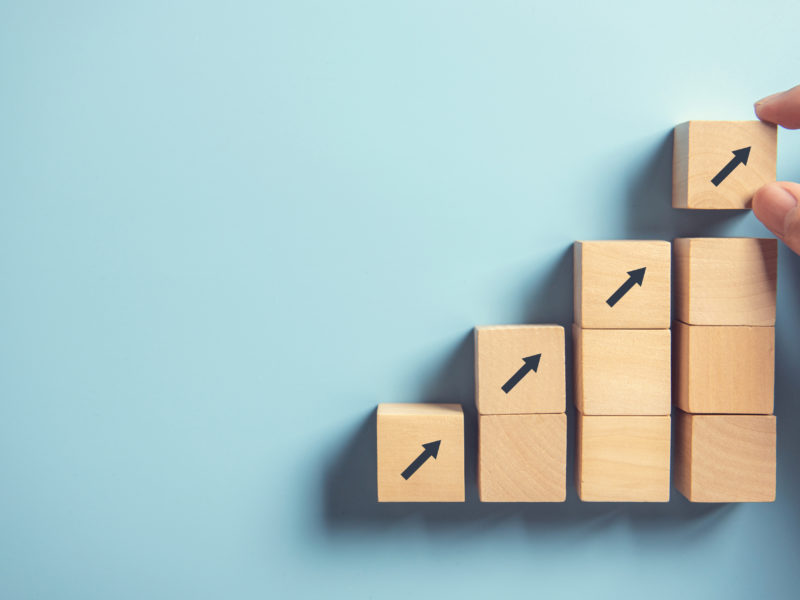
420,453
623,459
522,458
725,458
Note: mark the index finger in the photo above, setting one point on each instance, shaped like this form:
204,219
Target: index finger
782,108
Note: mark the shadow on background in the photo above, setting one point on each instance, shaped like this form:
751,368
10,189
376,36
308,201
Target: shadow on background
787,382
649,196
350,495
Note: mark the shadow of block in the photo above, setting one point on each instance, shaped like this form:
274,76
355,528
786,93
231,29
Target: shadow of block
650,213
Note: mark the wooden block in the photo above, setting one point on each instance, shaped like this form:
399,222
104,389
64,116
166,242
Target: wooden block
622,371
519,369
725,458
725,281
622,459
522,458
622,284
720,164
724,369
420,453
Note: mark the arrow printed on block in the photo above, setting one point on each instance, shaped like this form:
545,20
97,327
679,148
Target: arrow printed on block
531,364
635,277
431,451
740,157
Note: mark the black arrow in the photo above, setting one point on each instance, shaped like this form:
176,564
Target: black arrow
740,156
431,450
634,277
531,364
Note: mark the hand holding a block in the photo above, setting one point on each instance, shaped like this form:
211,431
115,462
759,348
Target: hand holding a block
775,204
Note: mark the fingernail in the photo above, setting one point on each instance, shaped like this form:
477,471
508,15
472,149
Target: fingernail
774,208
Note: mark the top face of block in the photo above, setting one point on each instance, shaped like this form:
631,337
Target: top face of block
622,284
519,369
420,453
421,409
720,164
725,281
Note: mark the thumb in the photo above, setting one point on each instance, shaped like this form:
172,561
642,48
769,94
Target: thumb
776,206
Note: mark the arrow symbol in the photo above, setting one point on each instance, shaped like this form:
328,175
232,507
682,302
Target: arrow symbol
431,450
634,277
740,156
531,364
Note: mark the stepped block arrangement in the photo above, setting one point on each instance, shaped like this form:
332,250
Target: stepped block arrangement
520,393
721,347
623,458
622,370
720,164
420,453
725,458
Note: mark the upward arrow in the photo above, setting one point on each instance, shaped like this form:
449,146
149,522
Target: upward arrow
634,277
531,364
431,451
740,157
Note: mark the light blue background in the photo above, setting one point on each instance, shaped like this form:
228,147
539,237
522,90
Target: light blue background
228,230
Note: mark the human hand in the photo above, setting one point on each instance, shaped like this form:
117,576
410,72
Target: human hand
776,204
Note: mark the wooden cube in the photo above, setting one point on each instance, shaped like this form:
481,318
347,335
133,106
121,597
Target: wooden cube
622,284
420,453
522,458
622,371
725,281
724,369
519,369
622,459
720,164
725,458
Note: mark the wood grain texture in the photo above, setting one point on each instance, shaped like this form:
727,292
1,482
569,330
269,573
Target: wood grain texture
725,458
622,459
601,267
522,458
725,281
402,430
622,371
499,351
703,148
724,369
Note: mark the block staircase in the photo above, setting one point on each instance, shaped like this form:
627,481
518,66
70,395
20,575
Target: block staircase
714,363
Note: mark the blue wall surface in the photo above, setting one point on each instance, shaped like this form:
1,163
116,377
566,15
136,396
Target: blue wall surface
228,230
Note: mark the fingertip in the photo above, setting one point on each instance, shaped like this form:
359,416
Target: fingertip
759,107
771,205
782,108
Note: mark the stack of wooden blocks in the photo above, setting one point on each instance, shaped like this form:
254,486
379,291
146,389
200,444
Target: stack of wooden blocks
724,340
622,370
724,332
720,355
520,393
